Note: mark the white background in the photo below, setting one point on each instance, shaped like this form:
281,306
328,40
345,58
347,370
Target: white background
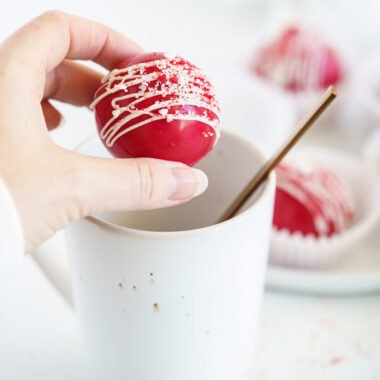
301,336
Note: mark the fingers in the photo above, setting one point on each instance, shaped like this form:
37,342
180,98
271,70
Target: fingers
56,35
72,83
43,43
53,117
130,184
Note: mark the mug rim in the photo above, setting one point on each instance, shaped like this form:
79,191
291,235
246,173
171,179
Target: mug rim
268,184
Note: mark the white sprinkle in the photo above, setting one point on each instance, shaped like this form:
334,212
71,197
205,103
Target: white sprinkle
163,111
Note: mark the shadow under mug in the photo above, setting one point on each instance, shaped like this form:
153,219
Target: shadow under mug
168,294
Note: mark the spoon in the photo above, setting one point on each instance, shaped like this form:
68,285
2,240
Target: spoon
328,96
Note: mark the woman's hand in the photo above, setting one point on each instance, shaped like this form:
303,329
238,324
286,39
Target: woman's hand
51,186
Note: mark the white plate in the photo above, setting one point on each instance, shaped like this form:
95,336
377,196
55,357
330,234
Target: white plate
357,274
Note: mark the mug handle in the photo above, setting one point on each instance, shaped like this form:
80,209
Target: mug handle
51,259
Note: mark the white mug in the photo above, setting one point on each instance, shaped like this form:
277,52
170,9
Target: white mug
170,294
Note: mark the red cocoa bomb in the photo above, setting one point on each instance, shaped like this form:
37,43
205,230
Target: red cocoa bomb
157,105
298,60
311,200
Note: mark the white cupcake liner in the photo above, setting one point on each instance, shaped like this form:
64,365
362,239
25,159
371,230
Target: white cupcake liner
297,251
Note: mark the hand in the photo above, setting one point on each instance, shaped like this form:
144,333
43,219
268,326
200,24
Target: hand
52,186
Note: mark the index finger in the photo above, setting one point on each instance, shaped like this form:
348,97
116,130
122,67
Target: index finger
48,39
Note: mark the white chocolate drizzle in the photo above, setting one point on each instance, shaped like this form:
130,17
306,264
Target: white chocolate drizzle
181,90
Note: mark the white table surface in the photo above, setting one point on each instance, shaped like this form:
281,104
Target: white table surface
299,336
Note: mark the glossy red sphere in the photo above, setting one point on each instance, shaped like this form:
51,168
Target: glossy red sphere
298,60
160,106
311,200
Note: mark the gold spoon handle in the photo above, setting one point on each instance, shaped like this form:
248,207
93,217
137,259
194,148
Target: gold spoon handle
328,96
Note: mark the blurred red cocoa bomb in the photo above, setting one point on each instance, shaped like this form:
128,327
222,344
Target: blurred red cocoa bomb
311,200
298,60
157,105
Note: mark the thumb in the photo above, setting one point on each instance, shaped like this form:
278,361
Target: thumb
135,184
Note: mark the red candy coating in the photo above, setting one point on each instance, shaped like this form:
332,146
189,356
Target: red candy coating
298,60
311,200
155,105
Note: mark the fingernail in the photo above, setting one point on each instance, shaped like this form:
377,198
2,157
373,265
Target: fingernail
187,183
